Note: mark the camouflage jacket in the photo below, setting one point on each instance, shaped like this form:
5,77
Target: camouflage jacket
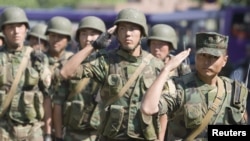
122,119
78,109
27,103
188,99
55,65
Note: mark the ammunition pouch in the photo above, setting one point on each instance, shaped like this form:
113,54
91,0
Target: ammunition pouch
95,117
236,110
31,77
30,104
73,112
113,120
111,87
192,115
148,124
38,103
25,132
29,108
22,132
3,75
2,98
4,131
115,83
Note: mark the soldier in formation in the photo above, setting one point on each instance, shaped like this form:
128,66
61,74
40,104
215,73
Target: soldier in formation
125,74
162,41
79,111
37,38
24,81
200,98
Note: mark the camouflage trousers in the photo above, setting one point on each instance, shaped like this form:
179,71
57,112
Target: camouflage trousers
29,132
85,135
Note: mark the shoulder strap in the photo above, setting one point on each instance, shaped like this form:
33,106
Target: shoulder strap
210,112
14,85
145,61
80,86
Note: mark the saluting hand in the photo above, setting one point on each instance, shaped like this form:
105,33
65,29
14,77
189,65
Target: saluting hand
175,61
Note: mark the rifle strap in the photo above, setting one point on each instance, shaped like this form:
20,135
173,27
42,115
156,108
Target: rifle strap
80,86
145,61
210,113
14,85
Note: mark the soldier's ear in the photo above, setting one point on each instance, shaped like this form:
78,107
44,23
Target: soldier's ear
225,60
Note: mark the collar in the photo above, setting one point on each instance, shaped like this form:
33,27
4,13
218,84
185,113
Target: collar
14,51
129,57
203,86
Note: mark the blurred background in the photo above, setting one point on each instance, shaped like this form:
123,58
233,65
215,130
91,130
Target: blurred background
229,17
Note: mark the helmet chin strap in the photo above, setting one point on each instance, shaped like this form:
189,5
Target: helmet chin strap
133,49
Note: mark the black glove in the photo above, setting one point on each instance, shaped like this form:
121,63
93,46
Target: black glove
38,56
102,41
47,137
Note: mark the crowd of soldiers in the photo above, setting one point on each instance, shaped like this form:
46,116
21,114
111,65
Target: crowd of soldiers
123,94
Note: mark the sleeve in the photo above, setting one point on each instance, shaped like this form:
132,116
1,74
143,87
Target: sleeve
171,98
60,95
96,69
45,76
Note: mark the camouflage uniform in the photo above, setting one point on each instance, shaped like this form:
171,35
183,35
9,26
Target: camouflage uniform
81,115
164,33
186,99
80,112
121,116
24,116
122,120
55,63
58,30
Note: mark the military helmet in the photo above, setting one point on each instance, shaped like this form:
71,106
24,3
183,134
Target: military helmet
165,33
12,15
59,25
91,22
133,16
38,31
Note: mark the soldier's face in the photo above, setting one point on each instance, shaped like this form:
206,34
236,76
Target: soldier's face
87,35
159,49
57,43
209,65
15,34
129,35
36,44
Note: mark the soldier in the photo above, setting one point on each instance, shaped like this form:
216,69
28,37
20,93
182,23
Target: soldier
125,74
188,98
161,41
37,38
24,81
59,34
81,117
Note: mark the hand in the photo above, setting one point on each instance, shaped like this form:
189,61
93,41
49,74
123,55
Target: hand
38,56
104,40
47,137
175,61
